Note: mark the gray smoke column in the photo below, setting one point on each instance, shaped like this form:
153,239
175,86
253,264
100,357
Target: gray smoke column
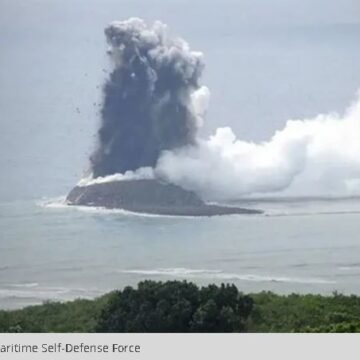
147,97
153,106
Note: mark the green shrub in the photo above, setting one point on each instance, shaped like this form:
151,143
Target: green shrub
176,306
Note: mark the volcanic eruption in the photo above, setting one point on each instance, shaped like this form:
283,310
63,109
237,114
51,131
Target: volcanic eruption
153,103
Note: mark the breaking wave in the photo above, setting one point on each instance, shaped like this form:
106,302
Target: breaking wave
221,275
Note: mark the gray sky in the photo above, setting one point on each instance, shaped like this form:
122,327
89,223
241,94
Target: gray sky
249,12
266,61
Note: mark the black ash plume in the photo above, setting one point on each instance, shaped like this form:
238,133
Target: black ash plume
147,98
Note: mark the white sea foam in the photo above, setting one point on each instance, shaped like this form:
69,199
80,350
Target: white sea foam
35,292
55,202
24,285
172,271
311,213
354,267
42,293
60,203
220,275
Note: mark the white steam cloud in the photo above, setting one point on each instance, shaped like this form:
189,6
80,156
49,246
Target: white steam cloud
310,156
154,106
139,174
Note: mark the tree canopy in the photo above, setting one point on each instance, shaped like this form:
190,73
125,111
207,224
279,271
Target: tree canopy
176,306
184,307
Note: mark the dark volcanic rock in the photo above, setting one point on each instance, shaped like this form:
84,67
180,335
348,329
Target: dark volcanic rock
148,196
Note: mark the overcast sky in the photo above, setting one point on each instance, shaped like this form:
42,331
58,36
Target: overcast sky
245,11
266,61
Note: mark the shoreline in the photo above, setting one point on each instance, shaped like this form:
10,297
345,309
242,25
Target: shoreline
268,313
149,197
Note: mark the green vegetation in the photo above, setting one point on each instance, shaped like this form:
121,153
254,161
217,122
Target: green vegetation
176,306
304,313
72,316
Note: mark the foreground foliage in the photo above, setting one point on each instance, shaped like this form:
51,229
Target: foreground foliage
305,313
176,306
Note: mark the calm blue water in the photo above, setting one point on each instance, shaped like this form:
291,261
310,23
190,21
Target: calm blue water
50,251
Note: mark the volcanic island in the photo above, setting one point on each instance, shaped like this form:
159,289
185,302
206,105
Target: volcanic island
149,196
152,103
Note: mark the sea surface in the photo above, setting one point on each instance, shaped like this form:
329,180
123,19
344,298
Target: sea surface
263,67
50,251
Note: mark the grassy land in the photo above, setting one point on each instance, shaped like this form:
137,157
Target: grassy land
270,313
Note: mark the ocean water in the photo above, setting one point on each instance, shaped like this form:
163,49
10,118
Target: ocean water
264,65
49,251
